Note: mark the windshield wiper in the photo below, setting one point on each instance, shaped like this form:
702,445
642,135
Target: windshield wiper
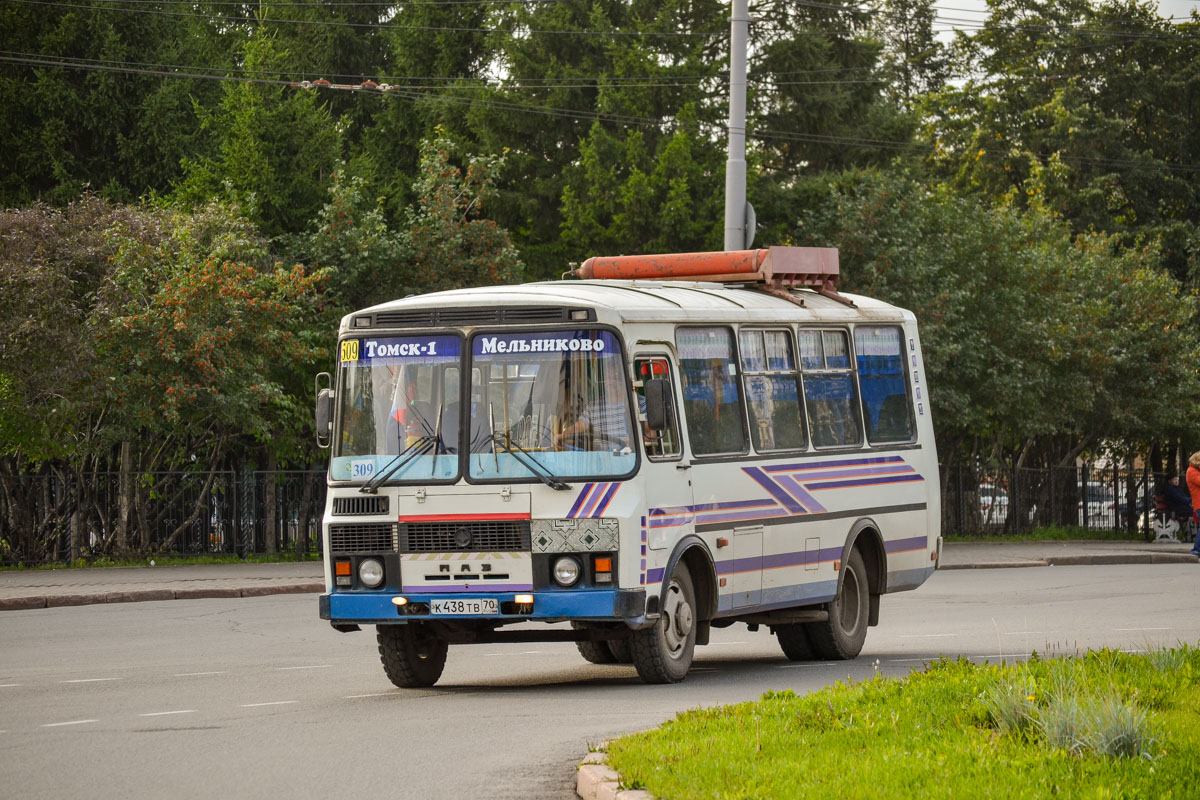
412,451
539,470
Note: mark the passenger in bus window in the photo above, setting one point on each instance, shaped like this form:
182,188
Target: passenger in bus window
603,424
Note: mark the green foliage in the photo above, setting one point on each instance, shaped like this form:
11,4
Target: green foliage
273,147
1015,311
444,244
1082,109
933,734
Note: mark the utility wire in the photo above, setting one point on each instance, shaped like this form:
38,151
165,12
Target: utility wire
360,25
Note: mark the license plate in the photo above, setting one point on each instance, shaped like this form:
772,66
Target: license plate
472,605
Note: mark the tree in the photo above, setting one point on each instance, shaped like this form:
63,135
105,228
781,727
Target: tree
1086,110
1036,343
274,147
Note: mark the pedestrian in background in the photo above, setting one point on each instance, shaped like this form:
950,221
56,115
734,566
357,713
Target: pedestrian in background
1193,484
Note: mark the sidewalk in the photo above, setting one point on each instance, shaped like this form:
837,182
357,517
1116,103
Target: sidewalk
76,587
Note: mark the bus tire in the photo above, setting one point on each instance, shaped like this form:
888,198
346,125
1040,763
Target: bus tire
620,651
842,635
663,653
593,651
596,652
413,656
794,641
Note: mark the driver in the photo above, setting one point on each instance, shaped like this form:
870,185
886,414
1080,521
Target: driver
605,418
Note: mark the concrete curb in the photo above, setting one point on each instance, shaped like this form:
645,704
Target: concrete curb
598,781
139,595
1094,559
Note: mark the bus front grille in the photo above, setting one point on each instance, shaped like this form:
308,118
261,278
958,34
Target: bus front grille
491,536
369,538
361,505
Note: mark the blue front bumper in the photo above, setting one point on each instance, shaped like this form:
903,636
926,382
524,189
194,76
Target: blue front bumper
370,608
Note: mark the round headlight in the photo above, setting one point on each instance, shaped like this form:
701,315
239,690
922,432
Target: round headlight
566,571
370,572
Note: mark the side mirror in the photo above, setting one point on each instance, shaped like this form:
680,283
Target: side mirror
324,410
658,403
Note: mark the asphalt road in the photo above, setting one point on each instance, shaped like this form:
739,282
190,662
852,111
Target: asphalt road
257,697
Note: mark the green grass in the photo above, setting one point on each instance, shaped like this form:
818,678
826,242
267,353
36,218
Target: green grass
1050,533
166,560
1106,725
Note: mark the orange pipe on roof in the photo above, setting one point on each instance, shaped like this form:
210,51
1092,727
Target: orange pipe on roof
672,265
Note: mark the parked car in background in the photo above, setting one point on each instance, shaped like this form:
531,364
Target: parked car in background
993,504
1101,506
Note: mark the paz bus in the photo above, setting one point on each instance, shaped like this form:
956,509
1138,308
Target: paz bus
656,447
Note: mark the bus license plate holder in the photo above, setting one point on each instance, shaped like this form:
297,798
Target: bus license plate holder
463,606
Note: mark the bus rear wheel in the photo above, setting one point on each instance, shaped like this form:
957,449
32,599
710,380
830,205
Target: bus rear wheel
794,641
842,635
413,656
663,653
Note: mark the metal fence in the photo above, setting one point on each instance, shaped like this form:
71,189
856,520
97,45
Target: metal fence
49,518
60,517
994,500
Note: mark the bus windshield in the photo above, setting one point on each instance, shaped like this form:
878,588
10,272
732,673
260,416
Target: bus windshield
559,398
542,405
397,395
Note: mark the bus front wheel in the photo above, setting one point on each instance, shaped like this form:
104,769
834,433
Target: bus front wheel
842,635
663,653
413,656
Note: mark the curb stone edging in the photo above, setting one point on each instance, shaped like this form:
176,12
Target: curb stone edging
137,595
1094,559
598,781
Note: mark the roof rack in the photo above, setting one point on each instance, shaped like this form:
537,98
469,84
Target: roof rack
774,269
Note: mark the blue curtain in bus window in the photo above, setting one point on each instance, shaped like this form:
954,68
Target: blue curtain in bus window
712,403
884,389
832,409
772,390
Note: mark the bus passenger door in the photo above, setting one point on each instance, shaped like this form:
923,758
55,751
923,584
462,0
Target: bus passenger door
666,475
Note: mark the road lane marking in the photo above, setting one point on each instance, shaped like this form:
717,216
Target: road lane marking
196,674
927,636
810,664
908,660
8,685
1006,655
276,703
1124,630
90,680
168,713
315,666
72,722
377,694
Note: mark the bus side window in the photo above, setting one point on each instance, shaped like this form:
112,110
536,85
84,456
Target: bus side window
884,386
711,396
772,390
829,394
660,444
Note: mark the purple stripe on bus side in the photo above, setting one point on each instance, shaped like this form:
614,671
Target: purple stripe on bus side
774,489
800,493
904,545
853,462
862,472
865,482
476,588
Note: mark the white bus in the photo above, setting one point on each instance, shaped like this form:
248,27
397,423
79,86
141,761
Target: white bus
713,439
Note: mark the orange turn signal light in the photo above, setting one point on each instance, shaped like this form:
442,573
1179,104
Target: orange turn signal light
341,568
603,565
